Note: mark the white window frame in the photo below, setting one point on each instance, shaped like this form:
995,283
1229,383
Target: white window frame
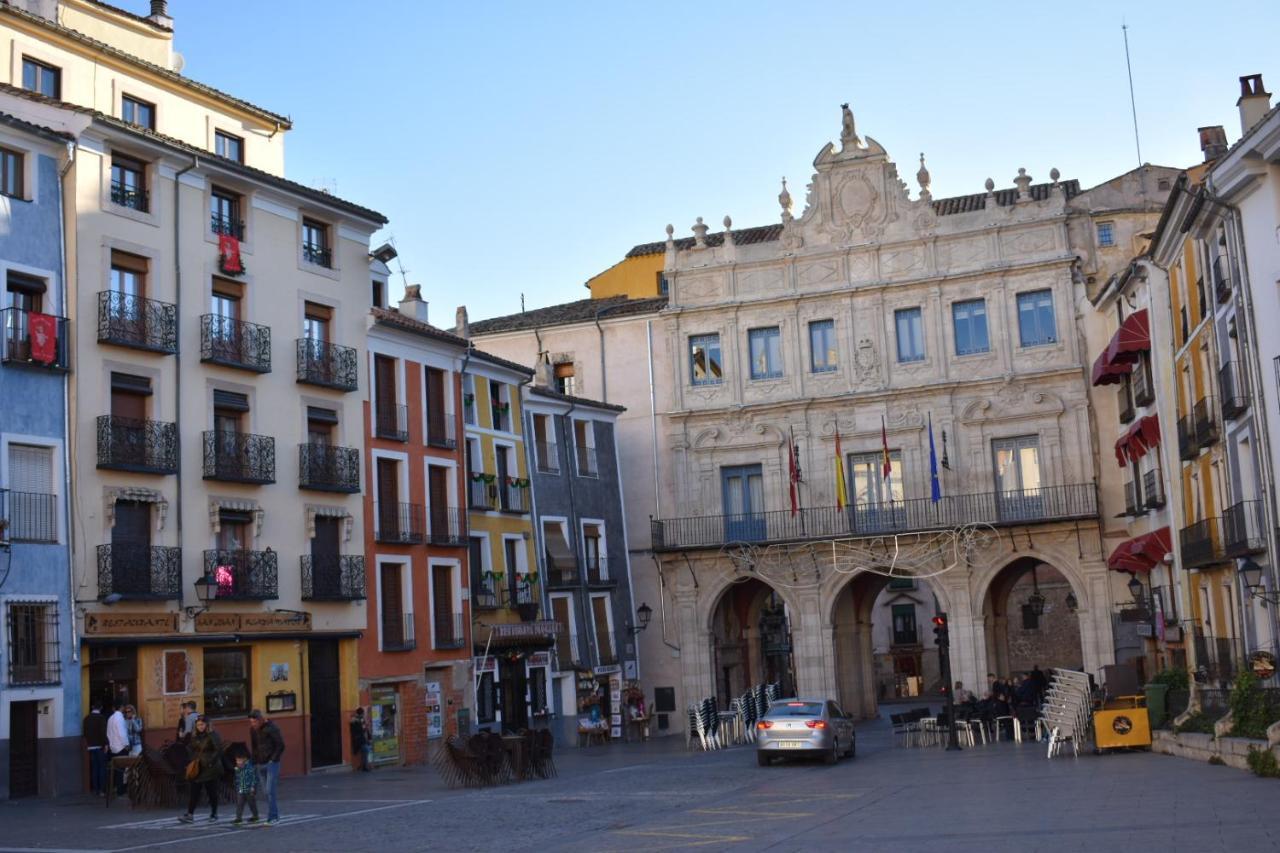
604,544
573,623
469,415
522,555
553,446
455,592
428,463
406,586
608,615
54,445
402,478
589,432
449,408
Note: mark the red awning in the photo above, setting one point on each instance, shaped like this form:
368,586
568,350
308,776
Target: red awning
1141,437
1105,373
1131,339
1121,560
1141,553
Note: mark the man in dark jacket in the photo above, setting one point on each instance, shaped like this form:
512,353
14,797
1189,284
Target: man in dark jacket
360,739
95,741
267,745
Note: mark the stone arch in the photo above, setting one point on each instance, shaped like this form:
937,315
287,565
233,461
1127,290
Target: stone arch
1063,564
751,625
1053,639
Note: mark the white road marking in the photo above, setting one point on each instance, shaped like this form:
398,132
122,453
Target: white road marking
49,850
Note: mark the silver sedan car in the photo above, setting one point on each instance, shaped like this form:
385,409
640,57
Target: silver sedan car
804,727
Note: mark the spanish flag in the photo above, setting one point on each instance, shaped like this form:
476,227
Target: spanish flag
840,486
884,443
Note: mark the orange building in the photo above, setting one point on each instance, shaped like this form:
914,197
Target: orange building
415,654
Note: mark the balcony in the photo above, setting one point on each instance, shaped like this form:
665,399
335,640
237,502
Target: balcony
1223,279
561,573
1144,393
134,198
144,447
448,631
397,632
1233,390
481,495
441,432
522,597
227,226
242,575
1199,544
548,455
326,468
484,593
239,457
513,498
1033,506
27,340
1124,402
1244,530
391,421
447,526
235,343
136,322
398,523
1133,498
327,365
566,649
28,517
140,572
598,572
1153,489
586,458
333,577
320,256
1206,420
1187,446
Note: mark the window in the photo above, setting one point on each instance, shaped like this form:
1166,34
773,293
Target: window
602,618
901,583
228,145
594,552
10,173
33,643
469,399
397,622
226,682
544,444
38,77
320,425
487,698
33,506
315,323
1017,477
1035,318
970,321
128,182
1030,618
566,635
315,243
379,296
904,625
867,482
499,408
910,330
1106,234
224,213
822,346
566,379
765,347
446,614
663,285
704,360
135,111
584,437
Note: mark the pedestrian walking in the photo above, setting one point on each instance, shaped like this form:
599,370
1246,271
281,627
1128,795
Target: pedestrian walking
246,789
205,769
267,745
187,721
361,740
94,731
118,744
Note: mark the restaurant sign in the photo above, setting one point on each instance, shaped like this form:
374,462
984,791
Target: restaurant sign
130,623
231,623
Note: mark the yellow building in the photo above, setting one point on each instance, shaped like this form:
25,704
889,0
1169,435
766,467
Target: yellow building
512,643
640,274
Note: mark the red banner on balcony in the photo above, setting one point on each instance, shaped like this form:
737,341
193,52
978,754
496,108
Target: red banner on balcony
229,255
1138,439
44,337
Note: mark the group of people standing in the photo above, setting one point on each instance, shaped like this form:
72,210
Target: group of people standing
108,737
1004,697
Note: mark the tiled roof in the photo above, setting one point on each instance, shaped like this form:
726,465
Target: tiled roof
102,47
37,129
941,206
581,311
132,15
501,362
316,195
394,319
569,398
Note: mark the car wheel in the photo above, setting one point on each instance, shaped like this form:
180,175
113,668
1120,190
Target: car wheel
763,759
853,748
833,755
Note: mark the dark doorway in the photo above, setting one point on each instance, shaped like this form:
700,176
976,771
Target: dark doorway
23,765
515,684
113,676
326,703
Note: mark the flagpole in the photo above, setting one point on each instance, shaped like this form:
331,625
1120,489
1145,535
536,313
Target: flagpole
797,478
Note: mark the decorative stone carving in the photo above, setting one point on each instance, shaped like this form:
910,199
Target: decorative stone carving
906,417
848,133
866,362
784,199
764,280
899,261
728,233
135,493
922,178
699,234
820,272
671,236
1029,242
216,505
1023,183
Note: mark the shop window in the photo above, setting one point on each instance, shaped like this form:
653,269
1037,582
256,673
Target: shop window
486,699
226,682
538,689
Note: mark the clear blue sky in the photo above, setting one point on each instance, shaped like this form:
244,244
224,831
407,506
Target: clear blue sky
522,148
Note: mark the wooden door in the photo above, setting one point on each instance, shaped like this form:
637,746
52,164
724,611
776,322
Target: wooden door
442,606
438,497
326,703
435,405
131,549
24,768
384,396
393,621
326,563
388,499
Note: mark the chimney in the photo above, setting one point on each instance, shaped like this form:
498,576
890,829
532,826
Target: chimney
1213,142
546,374
412,304
1254,103
461,327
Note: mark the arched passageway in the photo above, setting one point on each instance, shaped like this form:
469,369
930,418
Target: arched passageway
751,641
1031,614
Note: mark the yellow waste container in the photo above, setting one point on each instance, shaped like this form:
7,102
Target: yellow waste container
1122,723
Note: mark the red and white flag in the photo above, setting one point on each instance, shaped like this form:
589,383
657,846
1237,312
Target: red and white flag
229,248
43,329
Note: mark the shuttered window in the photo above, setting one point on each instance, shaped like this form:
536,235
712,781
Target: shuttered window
32,503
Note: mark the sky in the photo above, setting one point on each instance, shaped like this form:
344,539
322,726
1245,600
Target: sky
519,149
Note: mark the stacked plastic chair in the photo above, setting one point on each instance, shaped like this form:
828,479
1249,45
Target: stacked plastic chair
1067,711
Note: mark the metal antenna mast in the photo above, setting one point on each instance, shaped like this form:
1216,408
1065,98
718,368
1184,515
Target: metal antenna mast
1133,104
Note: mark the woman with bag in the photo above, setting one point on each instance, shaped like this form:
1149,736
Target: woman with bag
204,770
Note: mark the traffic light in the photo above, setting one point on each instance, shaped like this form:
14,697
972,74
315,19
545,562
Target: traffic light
940,635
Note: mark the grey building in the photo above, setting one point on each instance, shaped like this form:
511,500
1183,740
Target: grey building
582,557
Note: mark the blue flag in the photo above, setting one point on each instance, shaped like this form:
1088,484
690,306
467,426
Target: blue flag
935,486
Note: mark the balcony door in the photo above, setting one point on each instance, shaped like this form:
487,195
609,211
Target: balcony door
742,493
389,498
326,567
384,379
876,500
501,466
436,429
315,330
224,326
128,294
131,548
26,296
394,635
128,435
438,498
1017,473
229,408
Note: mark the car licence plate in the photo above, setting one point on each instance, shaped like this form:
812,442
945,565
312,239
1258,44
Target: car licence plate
792,744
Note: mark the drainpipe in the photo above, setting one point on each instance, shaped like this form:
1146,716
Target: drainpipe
662,602
68,482
604,379
653,422
177,310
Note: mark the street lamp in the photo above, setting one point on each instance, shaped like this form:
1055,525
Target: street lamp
1035,601
1251,575
1073,603
1135,588
643,614
206,592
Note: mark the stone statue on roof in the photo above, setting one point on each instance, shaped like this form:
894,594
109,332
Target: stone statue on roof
848,133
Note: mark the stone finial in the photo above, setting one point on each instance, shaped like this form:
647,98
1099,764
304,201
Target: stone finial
848,133
1054,174
922,178
991,186
728,230
671,236
699,234
784,199
1023,182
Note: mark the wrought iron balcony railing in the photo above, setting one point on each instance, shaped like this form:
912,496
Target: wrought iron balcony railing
235,343
390,421
333,577
484,592
398,523
1133,504
520,593
598,572
481,495
397,632
1124,400
447,525
133,198
227,226
318,255
513,498
1233,390
1223,279
327,365
1244,529
449,631
1199,543
548,455
327,468
441,431
28,517
242,575
140,571
239,457
1206,416
1031,506
586,458
1153,489
562,573
1188,448
146,447
137,322
29,345
1144,392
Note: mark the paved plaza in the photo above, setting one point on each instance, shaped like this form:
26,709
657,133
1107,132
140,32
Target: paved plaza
657,796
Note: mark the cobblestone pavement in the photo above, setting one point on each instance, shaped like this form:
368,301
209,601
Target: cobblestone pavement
657,796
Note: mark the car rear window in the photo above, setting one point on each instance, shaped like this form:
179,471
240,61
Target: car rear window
796,709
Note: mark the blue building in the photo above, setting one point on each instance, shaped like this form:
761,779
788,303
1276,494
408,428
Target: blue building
40,713
584,562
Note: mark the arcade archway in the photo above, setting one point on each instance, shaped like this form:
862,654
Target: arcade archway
1031,613
751,640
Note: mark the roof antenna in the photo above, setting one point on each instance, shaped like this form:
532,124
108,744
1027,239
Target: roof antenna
521,303
404,273
1133,104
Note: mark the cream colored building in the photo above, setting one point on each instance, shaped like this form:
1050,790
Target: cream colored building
217,420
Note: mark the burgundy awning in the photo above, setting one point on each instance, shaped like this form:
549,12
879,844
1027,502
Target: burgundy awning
1105,373
1141,553
1121,560
1141,437
1131,339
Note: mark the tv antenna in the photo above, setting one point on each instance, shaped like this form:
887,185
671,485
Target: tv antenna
1133,104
